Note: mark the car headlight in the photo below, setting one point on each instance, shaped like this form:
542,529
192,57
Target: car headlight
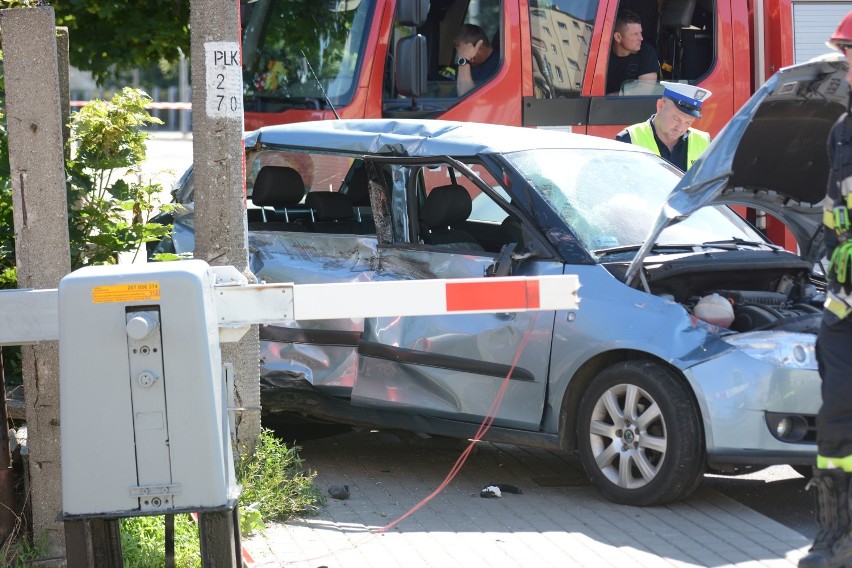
782,348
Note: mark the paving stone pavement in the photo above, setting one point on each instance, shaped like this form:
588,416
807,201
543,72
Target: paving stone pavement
557,520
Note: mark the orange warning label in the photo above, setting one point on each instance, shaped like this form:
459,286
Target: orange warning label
134,292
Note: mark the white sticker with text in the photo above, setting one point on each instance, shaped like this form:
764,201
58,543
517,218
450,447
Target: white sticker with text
224,79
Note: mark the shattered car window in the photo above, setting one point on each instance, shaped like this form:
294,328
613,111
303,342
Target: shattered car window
614,200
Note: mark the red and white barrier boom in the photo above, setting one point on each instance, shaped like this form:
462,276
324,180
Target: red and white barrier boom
29,316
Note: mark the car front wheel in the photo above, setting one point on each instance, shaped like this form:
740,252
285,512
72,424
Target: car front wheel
640,437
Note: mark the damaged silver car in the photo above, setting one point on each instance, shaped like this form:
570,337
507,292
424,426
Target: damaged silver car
693,346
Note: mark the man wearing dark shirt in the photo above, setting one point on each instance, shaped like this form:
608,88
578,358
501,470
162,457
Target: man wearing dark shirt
477,59
629,58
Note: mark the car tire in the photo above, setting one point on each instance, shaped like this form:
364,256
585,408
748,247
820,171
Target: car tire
639,434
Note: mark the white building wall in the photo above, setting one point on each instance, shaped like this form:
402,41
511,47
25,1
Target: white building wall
814,21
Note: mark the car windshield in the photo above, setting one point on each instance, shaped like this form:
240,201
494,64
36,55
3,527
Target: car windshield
612,199
294,50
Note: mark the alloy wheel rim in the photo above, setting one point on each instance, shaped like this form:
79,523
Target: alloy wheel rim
628,436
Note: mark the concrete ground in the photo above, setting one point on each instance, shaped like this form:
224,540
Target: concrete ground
558,519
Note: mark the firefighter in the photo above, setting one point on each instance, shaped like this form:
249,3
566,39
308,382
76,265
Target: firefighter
833,472
669,132
631,60
477,61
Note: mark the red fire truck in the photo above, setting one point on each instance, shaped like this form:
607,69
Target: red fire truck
395,58
315,59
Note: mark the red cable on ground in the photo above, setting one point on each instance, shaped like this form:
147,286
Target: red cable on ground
483,428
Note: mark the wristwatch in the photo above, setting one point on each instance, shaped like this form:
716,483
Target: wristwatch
462,61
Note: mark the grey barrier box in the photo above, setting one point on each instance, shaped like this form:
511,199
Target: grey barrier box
144,396
145,425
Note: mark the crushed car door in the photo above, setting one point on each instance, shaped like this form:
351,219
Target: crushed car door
449,221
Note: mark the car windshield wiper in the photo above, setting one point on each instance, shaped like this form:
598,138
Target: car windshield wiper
630,248
735,242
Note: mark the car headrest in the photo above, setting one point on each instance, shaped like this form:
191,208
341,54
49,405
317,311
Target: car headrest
510,232
358,187
445,206
277,186
330,206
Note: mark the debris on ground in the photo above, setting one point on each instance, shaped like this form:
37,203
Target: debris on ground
339,491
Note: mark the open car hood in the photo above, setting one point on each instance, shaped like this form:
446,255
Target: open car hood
771,156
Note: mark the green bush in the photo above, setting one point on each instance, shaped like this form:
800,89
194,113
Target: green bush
109,215
275,482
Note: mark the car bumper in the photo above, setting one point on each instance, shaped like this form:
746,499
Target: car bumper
736,393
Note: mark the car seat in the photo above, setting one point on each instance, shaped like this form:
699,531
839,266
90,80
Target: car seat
446,207
279,188
332,212
510,232
358,190
676,15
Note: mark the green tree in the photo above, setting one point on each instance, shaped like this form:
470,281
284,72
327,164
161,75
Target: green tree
109,215
7,232
106,35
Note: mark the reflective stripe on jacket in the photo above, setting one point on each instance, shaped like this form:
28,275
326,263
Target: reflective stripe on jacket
642,134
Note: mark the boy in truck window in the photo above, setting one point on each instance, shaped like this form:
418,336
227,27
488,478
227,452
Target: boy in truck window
629,58
477,59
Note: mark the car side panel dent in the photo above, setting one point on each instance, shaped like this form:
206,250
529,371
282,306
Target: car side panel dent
313,258
454,365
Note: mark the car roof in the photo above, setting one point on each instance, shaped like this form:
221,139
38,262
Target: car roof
421,138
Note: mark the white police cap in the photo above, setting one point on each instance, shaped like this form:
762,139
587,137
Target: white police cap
687,98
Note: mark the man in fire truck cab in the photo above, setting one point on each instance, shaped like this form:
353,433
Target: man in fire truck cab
630,58
477,58
669,133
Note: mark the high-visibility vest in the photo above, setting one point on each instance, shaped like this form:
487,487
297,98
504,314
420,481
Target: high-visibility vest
642,134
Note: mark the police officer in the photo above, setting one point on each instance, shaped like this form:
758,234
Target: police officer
833,472
669,132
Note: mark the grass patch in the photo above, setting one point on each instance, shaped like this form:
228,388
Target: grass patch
276,486
143,542
19,552
275,482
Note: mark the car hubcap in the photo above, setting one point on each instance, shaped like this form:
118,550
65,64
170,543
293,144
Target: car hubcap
628,436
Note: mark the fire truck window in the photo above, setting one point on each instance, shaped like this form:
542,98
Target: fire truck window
443,22
686,39
561,32
681,32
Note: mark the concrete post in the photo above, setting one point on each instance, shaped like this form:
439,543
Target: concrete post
35,128
63,56
217,152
